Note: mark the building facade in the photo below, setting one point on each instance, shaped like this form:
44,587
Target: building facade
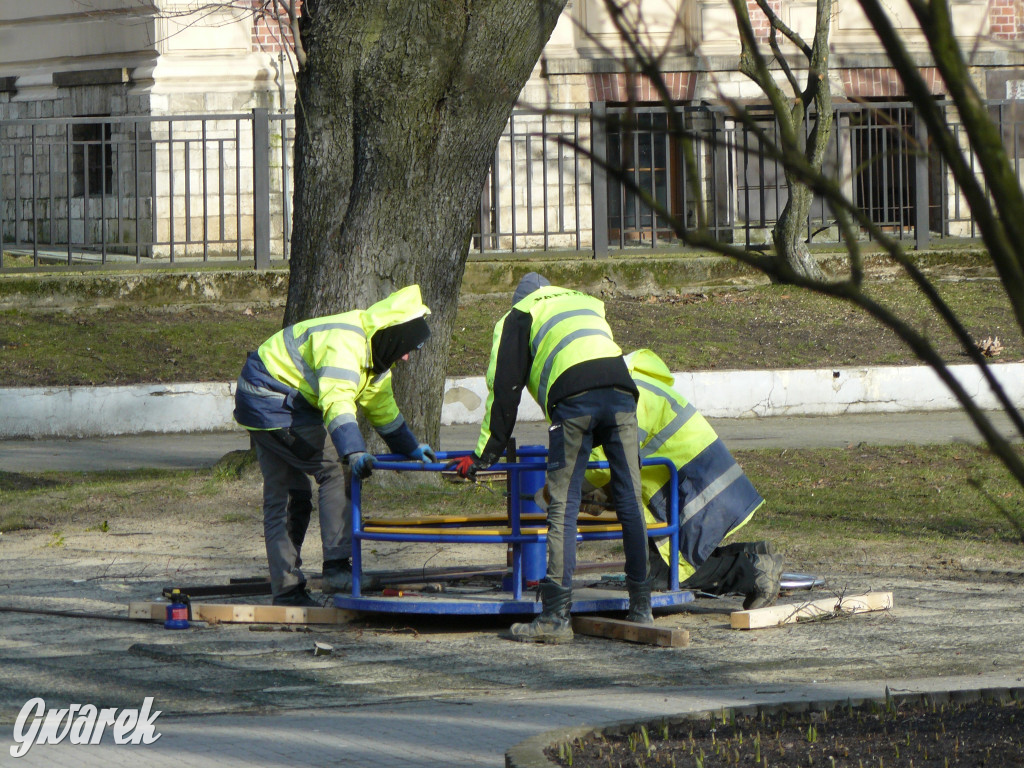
129,126
142,127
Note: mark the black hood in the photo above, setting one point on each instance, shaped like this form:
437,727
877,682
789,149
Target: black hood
389,344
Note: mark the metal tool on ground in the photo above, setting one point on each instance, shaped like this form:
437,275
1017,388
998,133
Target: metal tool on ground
177,611
243,589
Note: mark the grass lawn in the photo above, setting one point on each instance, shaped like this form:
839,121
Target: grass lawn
761,327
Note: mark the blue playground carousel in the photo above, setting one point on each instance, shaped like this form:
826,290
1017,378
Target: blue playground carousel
522,534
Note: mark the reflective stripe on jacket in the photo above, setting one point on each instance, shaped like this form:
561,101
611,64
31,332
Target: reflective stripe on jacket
715,495
323,366
541,344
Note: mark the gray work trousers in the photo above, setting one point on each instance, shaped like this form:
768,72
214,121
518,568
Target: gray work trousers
598,417
288,457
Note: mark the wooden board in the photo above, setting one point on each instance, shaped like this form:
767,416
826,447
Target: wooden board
245,614
776,615
617,629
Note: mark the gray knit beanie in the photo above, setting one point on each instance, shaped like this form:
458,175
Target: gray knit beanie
530,283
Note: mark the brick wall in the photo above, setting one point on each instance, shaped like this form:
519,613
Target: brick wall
270,32
1005,19
885,83
762,29
617,87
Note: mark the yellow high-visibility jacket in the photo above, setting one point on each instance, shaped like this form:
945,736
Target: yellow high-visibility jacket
715,496
322,369
555,342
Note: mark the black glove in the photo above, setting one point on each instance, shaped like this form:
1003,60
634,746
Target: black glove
466,467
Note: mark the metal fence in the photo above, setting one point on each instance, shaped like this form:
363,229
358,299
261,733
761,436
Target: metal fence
138,189
201,188
879,154
537,193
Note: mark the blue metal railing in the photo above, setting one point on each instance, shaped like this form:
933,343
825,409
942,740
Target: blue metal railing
517,538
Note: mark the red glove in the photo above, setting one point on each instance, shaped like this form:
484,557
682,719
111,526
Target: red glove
466,466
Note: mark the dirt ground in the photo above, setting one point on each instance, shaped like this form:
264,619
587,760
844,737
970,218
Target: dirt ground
944,622
947,735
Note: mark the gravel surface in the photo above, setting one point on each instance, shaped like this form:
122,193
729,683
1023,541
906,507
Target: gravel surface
944,622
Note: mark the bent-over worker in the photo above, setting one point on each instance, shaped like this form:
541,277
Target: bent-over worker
556,343
303,384
715,496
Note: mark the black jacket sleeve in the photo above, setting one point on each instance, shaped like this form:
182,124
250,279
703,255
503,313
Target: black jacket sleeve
512,361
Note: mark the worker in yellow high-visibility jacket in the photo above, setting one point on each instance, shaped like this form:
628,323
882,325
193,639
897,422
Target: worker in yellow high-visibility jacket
715,496
304,384
556,343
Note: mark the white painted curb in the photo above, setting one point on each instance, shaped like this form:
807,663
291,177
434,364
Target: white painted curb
207,407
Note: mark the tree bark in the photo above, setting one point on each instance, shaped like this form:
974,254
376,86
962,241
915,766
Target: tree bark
398,112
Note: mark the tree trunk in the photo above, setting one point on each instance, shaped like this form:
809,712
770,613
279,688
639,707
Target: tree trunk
792,255
398,112
790,234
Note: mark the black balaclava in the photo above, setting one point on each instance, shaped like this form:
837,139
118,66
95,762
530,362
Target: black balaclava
389,344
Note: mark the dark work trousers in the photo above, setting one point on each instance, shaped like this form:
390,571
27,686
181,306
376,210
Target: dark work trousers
288,457
598,417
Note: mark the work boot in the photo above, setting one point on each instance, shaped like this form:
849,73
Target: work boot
719,573
553,625
337,577
752,569
296,597
766,577
639,601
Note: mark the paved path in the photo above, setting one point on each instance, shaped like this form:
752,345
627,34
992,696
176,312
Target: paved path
179,451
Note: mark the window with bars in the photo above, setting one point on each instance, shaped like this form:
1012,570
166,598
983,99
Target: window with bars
883,165
92,159
640,145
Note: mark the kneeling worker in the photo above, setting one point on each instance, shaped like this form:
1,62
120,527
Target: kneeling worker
557,344
303,384
715,496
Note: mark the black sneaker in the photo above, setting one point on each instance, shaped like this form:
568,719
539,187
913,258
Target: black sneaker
296,597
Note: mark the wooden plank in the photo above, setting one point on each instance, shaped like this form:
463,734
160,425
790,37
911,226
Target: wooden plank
776,615
228,613
280,614
147,611
224,613
617,629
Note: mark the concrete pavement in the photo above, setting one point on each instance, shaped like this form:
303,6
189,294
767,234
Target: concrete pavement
464,733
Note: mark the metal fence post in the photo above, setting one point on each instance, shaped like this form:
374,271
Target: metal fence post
599,178
922,201
261,186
